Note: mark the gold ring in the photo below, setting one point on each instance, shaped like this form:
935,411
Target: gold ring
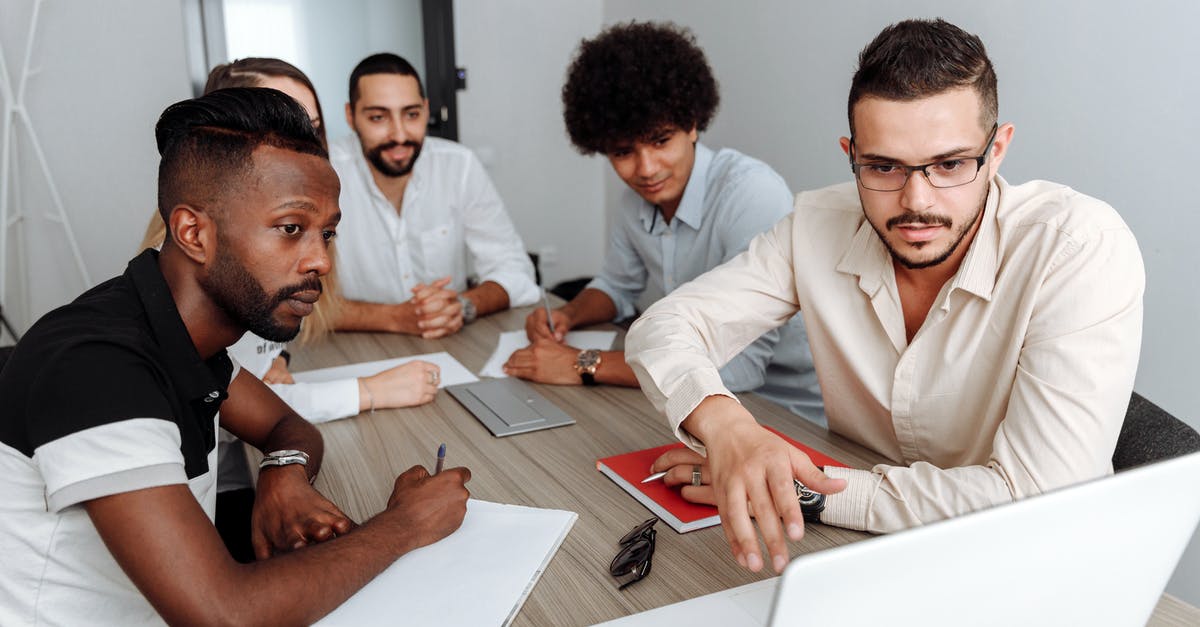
696,476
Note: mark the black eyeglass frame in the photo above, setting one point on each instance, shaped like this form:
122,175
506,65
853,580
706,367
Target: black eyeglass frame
636,555
909,169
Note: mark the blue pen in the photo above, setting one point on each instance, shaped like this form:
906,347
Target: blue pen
546,304
441,459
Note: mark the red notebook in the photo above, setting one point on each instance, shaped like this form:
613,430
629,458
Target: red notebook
629,469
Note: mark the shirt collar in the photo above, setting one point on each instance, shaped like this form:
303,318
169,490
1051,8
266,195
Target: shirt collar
195,378
868,258
691,206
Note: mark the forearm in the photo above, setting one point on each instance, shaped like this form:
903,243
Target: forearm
294,433
614,371
391,318
323,575
591,306
489,297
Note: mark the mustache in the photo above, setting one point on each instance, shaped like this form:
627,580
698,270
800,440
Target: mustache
395,144
919,218
312,284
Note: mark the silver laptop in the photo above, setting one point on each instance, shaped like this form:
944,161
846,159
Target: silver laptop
509,406
1098,553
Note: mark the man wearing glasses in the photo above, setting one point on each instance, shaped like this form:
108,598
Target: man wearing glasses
983,336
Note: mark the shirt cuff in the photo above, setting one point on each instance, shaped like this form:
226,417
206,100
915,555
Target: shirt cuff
849,507
321,401
521,289
690,392
621,300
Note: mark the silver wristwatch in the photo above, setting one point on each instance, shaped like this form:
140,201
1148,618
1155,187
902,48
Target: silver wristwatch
284,458
468,309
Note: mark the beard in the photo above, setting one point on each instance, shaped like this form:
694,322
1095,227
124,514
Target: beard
927,218
244,300
375,156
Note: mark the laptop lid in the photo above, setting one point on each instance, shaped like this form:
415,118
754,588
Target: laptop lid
1097,553
509,406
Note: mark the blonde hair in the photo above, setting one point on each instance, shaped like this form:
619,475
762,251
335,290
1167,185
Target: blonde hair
250,73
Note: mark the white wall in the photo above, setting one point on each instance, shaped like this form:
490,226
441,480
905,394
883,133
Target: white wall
516,54
1103,95
331,38
98,78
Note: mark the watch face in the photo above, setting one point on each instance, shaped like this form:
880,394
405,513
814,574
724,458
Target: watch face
588,360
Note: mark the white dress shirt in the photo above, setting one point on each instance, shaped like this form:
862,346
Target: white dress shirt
1016,383
451,223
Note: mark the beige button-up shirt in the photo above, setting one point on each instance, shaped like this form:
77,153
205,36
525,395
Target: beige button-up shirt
1016,383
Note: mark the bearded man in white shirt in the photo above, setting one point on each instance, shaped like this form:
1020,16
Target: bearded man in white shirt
421,216
983,336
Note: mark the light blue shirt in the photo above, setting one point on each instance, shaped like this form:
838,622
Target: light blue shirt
729,199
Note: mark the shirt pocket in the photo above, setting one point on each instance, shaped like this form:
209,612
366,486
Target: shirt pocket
439,247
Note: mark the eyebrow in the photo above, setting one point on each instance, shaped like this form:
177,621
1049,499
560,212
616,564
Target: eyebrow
957,152
303,205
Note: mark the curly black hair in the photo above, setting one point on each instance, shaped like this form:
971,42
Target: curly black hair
632,80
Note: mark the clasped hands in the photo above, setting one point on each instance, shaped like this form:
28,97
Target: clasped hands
547,359
435,309
748,473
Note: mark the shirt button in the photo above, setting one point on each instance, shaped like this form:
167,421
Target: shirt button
212,396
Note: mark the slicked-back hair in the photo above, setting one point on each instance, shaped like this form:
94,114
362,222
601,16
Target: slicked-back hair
632,81
916,59
206,143
252,71
382,63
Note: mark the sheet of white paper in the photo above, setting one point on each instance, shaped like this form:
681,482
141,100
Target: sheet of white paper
478,575
511,341
453,372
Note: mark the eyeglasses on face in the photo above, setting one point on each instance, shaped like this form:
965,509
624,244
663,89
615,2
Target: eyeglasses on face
634,558
891,177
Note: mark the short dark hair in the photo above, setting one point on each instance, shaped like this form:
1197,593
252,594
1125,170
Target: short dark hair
634,79
250,72
206,143
382,63
919,58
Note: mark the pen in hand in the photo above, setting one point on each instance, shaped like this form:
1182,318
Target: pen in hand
441,460
655,477
546,304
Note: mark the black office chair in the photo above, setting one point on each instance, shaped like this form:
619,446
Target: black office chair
1150,434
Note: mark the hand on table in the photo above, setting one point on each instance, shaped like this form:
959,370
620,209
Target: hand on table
289,513
278,372
544,361
437,309
406,385
536,327
752,471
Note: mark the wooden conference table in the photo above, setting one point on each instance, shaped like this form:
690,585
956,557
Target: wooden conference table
555,468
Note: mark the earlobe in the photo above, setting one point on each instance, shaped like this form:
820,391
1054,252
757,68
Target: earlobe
190,231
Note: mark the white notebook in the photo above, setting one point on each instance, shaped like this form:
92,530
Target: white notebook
478,575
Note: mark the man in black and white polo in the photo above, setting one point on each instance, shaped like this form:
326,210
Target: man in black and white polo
109,405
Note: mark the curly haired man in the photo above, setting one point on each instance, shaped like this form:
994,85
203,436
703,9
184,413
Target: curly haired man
640,94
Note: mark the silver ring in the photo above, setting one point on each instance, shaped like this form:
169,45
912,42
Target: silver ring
433,377
696,476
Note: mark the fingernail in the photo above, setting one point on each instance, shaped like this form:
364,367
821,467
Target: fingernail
754,562
780,562
795,531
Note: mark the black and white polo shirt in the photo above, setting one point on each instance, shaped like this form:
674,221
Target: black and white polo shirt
102,396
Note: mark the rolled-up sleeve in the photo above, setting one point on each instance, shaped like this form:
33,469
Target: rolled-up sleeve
676,346
497,251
